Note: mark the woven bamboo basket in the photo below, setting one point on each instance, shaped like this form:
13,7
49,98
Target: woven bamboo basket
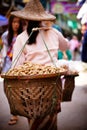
33,96
69,86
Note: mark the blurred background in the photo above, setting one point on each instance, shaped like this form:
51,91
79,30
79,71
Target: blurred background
71,20
65,11
68,14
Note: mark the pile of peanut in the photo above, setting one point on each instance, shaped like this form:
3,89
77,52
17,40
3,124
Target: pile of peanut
29,68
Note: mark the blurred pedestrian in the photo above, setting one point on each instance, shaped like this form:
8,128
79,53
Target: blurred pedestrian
84,43
8,39
74,46
36,51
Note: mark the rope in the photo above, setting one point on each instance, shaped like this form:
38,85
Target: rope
20,52
48,50
54,98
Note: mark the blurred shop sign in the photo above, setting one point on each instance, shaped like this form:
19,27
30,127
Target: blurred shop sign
64,7
62,0
25,1
57,8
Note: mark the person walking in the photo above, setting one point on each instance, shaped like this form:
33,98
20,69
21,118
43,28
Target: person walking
8,40
84,43
74,46
35,50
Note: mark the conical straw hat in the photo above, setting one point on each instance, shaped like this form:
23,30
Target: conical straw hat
34,10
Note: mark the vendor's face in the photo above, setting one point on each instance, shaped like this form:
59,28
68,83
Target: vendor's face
46,23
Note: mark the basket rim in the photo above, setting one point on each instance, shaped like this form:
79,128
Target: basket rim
33,76
71,75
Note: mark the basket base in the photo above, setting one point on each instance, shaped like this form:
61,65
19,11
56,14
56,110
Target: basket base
34,98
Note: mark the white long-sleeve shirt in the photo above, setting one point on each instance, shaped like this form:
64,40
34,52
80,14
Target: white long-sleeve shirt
37,53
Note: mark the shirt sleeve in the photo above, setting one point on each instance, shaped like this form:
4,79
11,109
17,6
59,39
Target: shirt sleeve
63,42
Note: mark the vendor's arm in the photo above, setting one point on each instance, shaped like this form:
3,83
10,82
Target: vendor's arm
63,42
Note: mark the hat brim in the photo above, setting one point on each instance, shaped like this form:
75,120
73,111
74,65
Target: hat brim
33,16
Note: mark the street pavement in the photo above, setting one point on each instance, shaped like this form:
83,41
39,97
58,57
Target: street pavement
73,115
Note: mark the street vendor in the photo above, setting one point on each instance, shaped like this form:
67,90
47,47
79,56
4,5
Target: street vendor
39,41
